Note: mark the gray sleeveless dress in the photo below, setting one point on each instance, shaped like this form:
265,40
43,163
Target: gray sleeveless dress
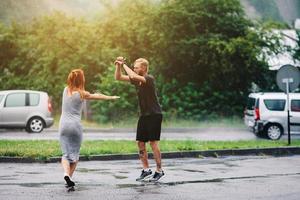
70,128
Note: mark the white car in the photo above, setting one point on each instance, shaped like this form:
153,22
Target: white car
266,114
27,109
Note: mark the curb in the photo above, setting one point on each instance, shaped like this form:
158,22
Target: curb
279,151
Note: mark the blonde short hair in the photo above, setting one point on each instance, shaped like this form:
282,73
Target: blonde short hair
143,62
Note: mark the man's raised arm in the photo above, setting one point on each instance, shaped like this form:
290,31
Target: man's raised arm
118,74
132,75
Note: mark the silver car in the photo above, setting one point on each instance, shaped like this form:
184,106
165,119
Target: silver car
266,114
27,109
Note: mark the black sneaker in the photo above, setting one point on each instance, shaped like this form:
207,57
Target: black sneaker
69,182
157,176
144,175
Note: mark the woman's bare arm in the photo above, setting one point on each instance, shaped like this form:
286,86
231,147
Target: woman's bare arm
99,96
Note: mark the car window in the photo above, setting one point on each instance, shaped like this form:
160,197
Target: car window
1,97
295,105
15,100
250,103
275,104
34,99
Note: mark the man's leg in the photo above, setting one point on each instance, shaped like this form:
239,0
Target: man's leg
156,154
143,154
146,172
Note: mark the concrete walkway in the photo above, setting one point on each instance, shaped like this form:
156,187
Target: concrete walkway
246,177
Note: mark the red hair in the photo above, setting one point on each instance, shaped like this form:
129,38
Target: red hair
76,81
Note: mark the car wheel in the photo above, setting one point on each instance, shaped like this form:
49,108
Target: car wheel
35,125
274,131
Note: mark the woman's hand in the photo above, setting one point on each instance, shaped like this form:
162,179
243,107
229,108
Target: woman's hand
99,95
115,97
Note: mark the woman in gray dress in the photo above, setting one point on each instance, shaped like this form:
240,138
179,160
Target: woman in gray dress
70,128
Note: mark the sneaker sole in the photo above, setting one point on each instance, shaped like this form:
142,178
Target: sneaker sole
156,181
145,179
71,189
69,182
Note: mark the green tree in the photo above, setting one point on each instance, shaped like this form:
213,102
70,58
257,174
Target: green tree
212,45
204,54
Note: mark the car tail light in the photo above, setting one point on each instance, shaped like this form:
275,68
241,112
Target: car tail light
49,105
257,115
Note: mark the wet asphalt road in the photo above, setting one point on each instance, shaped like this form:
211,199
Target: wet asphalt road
249,177
211,133
204,134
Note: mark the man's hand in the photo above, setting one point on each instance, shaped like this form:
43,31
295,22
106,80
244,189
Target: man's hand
120,61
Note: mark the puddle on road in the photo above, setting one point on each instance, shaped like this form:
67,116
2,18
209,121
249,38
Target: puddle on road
187,170
10,177
29,172
33,173
86,170
123,172
193,170
221,169
174,183
120,177
35,185
216,180
78,187
230,164
171,164
85,187
128,185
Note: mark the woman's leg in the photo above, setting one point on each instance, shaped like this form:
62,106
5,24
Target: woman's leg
73,167
68,171
66,166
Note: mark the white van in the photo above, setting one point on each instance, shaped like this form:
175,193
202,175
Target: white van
266,114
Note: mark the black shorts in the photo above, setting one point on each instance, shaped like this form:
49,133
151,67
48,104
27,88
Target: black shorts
149,128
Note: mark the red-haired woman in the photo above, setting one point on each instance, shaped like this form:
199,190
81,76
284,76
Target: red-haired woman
70,128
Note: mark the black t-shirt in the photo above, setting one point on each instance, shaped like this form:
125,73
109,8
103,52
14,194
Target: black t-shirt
147,96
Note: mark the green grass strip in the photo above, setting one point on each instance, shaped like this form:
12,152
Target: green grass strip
43,149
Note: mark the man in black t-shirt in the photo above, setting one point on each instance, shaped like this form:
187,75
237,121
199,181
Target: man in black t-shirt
149,124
